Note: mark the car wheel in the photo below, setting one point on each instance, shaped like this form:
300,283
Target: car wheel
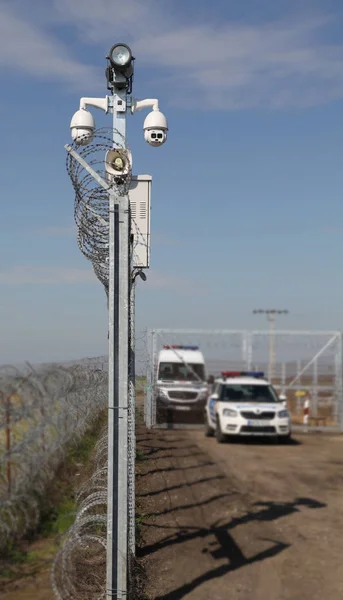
220,436
209,431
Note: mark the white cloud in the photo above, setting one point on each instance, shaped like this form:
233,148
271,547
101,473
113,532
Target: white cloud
219,64
27,47
104,20
222,64
235,66
24,275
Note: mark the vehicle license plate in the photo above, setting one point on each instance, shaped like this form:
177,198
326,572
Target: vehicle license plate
258,423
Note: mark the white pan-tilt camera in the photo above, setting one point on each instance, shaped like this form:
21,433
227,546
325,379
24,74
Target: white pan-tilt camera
155,128
82,127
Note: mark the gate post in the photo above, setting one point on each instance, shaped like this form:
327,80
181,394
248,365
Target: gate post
149,380
153,377
249,343
246,350
339,381
283,378
315,389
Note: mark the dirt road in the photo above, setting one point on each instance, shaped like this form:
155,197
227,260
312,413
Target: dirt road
241,521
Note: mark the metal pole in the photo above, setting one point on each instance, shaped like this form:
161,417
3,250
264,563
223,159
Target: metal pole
315,389
283,377
299,367
149,382
116,580
271,312
338,392
244,350
271,318
249,350
132,426
8,445
154,378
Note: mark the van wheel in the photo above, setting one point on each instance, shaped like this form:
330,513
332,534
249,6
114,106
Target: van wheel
220,436
209,431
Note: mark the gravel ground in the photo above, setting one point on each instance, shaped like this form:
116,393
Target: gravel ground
240,521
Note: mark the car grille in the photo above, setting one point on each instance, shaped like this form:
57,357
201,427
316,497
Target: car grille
264,429
182,395
264,416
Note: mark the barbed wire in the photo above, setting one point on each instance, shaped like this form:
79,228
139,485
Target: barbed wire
41,411
91,209
79,569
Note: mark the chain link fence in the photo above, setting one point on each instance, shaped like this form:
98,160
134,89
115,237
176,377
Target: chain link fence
42,410
308,362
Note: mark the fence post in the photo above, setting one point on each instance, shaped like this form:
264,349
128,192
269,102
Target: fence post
247,349
315,389
339,381
299,370
132,429
283,378
154,374
148,387
8,445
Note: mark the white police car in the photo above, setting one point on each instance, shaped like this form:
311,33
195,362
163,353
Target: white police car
246,404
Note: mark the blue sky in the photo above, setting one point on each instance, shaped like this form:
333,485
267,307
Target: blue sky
247,209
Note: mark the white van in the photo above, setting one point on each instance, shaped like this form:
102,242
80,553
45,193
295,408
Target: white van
181,379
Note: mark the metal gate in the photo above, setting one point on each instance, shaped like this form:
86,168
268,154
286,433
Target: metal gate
296,362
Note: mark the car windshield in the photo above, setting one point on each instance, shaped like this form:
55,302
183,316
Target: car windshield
248,393
179,372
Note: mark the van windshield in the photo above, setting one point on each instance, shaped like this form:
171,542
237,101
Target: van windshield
248,393
179,372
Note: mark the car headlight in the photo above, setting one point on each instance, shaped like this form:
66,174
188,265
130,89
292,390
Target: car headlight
228,412
283,414
203,395
163,393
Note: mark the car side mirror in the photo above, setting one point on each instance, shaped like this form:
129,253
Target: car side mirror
283,399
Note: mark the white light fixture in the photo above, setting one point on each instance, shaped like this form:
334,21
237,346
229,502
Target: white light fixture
120,56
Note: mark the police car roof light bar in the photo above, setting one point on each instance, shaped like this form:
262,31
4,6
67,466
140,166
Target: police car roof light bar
231,373
256,374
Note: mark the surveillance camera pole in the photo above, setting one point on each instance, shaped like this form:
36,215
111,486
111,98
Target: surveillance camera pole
118,360
121,310
118,377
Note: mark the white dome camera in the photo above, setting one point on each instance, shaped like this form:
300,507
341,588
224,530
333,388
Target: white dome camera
82,127
155,128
